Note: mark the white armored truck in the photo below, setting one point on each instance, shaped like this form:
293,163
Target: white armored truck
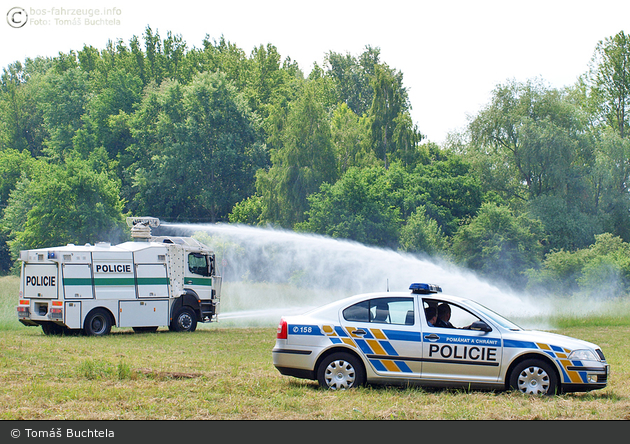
150,282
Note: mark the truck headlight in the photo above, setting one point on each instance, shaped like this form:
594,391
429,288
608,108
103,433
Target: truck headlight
583,355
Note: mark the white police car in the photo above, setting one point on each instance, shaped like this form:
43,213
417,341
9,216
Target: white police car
387,338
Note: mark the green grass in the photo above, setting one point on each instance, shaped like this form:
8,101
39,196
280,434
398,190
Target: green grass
223,372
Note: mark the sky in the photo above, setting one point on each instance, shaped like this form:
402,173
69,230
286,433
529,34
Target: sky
452,53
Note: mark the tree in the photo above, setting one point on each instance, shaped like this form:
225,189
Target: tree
21,125
62,204
601,270
443,184
566,227
101,122
350,139
352,77
64,95
389,104
421,234
303,160
526,142
499,244
610,180
356,208
609,80
14,166
203,150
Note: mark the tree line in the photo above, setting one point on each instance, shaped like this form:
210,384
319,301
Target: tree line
533,193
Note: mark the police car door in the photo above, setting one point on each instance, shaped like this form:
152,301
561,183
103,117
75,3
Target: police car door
456,353
386,331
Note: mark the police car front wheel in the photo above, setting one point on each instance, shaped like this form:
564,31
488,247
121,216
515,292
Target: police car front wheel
340,371
534,377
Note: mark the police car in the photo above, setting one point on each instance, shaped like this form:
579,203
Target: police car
397,338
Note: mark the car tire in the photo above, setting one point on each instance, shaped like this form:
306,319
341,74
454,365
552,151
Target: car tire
534,377
184,320
340,371
97,323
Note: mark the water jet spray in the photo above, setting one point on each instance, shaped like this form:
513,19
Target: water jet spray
272,272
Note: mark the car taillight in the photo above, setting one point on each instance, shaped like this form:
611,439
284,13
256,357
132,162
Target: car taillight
282,330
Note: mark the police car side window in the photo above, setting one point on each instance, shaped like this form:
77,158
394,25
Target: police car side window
398,311
358,312
458,317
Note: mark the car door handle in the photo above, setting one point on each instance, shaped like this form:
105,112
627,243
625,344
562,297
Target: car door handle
359,332
432,337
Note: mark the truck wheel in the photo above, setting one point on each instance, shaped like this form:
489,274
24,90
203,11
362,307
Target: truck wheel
340,371
534,377
97,323
184,320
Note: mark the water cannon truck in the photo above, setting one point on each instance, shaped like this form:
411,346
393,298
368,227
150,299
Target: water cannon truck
146,283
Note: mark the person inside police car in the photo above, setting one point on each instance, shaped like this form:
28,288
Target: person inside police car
431,314
444,316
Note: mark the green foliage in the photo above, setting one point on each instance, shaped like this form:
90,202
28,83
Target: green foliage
355,207
352,77
601,270
499,244
202,147
303,160
422,234
215,133
59,204
609,81
527,141
349,138
446,186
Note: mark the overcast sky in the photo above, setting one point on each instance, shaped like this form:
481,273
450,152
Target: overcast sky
452,53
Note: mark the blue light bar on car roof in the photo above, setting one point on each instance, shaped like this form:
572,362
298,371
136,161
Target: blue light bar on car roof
424,288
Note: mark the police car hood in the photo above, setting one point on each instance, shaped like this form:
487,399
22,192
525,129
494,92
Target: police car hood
551,339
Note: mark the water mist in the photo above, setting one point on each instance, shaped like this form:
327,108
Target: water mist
268,273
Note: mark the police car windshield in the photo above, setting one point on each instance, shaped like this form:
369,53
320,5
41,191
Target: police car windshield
495,316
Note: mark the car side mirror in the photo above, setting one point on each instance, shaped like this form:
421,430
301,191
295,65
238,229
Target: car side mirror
480,326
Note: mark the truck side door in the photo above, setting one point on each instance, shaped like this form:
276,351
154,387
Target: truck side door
198,275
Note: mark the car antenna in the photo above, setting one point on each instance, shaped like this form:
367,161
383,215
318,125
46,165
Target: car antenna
388,285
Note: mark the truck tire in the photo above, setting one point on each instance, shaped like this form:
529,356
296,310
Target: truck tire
184,320
97,323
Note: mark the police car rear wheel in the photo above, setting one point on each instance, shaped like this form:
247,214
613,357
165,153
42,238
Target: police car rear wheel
340,371
534,377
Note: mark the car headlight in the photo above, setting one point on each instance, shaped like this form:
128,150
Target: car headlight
583,355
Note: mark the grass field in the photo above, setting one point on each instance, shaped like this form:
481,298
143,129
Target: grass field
222,372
